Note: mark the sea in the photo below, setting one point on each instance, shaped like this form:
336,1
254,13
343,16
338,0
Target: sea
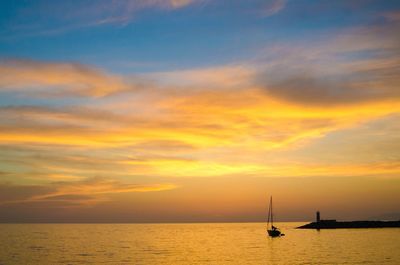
193,243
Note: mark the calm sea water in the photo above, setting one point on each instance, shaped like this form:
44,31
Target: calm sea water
239,243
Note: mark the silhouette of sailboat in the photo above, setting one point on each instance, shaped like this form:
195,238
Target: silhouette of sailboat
271,229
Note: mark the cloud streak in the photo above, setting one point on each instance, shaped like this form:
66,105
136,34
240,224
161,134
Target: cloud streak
124,11
50,18
74,193
356,65
273,8
59,79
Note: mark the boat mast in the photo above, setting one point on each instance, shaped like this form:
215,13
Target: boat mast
269,214
272,215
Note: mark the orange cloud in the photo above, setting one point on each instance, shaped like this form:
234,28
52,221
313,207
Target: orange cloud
86,192
59,79
229,131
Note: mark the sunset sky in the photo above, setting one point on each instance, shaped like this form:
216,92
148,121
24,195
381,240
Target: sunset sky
199,110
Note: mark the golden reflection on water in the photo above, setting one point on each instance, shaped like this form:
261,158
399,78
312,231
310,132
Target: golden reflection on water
218,243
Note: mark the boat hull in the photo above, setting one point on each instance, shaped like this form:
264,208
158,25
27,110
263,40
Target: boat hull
274,233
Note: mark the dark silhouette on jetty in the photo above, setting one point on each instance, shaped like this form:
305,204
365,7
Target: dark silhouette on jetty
333,224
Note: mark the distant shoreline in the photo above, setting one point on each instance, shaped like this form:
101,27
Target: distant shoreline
333,224
222,222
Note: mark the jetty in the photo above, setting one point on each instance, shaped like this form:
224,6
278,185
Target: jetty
333,224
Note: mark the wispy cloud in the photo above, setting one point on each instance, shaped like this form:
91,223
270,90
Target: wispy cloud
355,65
72,15
124,11
273,7
392,16
74,193
59,79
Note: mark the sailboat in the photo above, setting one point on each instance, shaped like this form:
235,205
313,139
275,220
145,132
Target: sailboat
272,230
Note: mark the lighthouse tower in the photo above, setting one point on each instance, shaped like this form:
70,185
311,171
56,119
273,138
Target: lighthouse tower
318,217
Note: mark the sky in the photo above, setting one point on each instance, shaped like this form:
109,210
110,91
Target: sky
199,110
